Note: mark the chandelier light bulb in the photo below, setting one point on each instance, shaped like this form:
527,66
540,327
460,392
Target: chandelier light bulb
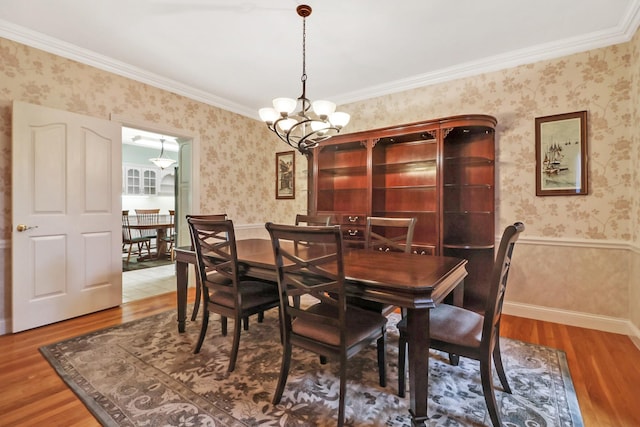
318,126
339,119
323,108
286,124
285,106
268,115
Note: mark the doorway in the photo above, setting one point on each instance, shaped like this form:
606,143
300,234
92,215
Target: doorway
147,183
176,188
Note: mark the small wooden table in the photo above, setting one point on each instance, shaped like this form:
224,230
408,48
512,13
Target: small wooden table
415,282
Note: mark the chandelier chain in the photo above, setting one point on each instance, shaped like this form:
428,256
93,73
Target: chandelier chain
304,50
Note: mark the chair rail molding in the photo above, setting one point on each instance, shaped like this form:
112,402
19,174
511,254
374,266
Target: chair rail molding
576,243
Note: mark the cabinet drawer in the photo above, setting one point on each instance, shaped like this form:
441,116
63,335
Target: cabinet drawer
352,219
423,250
352,232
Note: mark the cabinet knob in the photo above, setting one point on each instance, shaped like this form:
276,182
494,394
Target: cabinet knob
353,218
352,232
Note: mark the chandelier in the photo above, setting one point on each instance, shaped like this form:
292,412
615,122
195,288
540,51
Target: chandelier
314,121
162,162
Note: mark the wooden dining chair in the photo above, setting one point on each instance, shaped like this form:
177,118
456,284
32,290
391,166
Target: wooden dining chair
198,298
389,234
147,217
462,332
223,290
170,236
318,220
128,239
386,235
328,327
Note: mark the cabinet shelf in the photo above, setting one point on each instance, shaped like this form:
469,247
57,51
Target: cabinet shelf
333,190
454,186
343,171
408,212
413,166
468,246
468,161
468,213
405,187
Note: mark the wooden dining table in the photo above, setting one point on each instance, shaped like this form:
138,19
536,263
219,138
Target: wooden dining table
414,282
161,243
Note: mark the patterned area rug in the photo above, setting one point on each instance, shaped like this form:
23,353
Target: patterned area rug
143,373
134,264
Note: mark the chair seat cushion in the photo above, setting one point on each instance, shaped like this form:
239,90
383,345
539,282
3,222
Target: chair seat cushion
254,294
359,324
452,324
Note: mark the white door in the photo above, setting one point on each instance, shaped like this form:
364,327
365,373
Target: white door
66,234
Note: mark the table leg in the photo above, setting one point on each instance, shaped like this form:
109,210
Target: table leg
161,244
458,294
182,281
418,342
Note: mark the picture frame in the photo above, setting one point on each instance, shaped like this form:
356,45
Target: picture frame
561,154
286,175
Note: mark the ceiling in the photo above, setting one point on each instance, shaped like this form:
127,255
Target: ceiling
142,138
239,55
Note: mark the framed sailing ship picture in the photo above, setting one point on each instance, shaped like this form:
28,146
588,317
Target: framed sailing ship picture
561,154
285,175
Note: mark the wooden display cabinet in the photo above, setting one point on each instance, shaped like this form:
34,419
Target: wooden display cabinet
439,171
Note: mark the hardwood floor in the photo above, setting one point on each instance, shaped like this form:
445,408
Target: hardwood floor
605,368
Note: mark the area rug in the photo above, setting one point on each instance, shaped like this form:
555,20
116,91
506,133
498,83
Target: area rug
134,264
144,373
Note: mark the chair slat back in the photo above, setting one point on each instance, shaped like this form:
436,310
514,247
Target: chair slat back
147,217
499,276
126,231
172,220
216,256
317,220
213,217
314,269
389,234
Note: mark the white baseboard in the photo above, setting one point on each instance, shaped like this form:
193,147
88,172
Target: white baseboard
574,318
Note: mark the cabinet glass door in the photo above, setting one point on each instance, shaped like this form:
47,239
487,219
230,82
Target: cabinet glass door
468,205
404,184
342,178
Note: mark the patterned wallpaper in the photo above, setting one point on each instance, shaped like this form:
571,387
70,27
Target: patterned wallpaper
237,153
563,262
239,179
598,81
634,285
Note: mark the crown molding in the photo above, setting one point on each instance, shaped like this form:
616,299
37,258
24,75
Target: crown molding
620,34
67,50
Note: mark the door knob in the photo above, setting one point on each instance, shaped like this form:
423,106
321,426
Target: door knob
23,227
